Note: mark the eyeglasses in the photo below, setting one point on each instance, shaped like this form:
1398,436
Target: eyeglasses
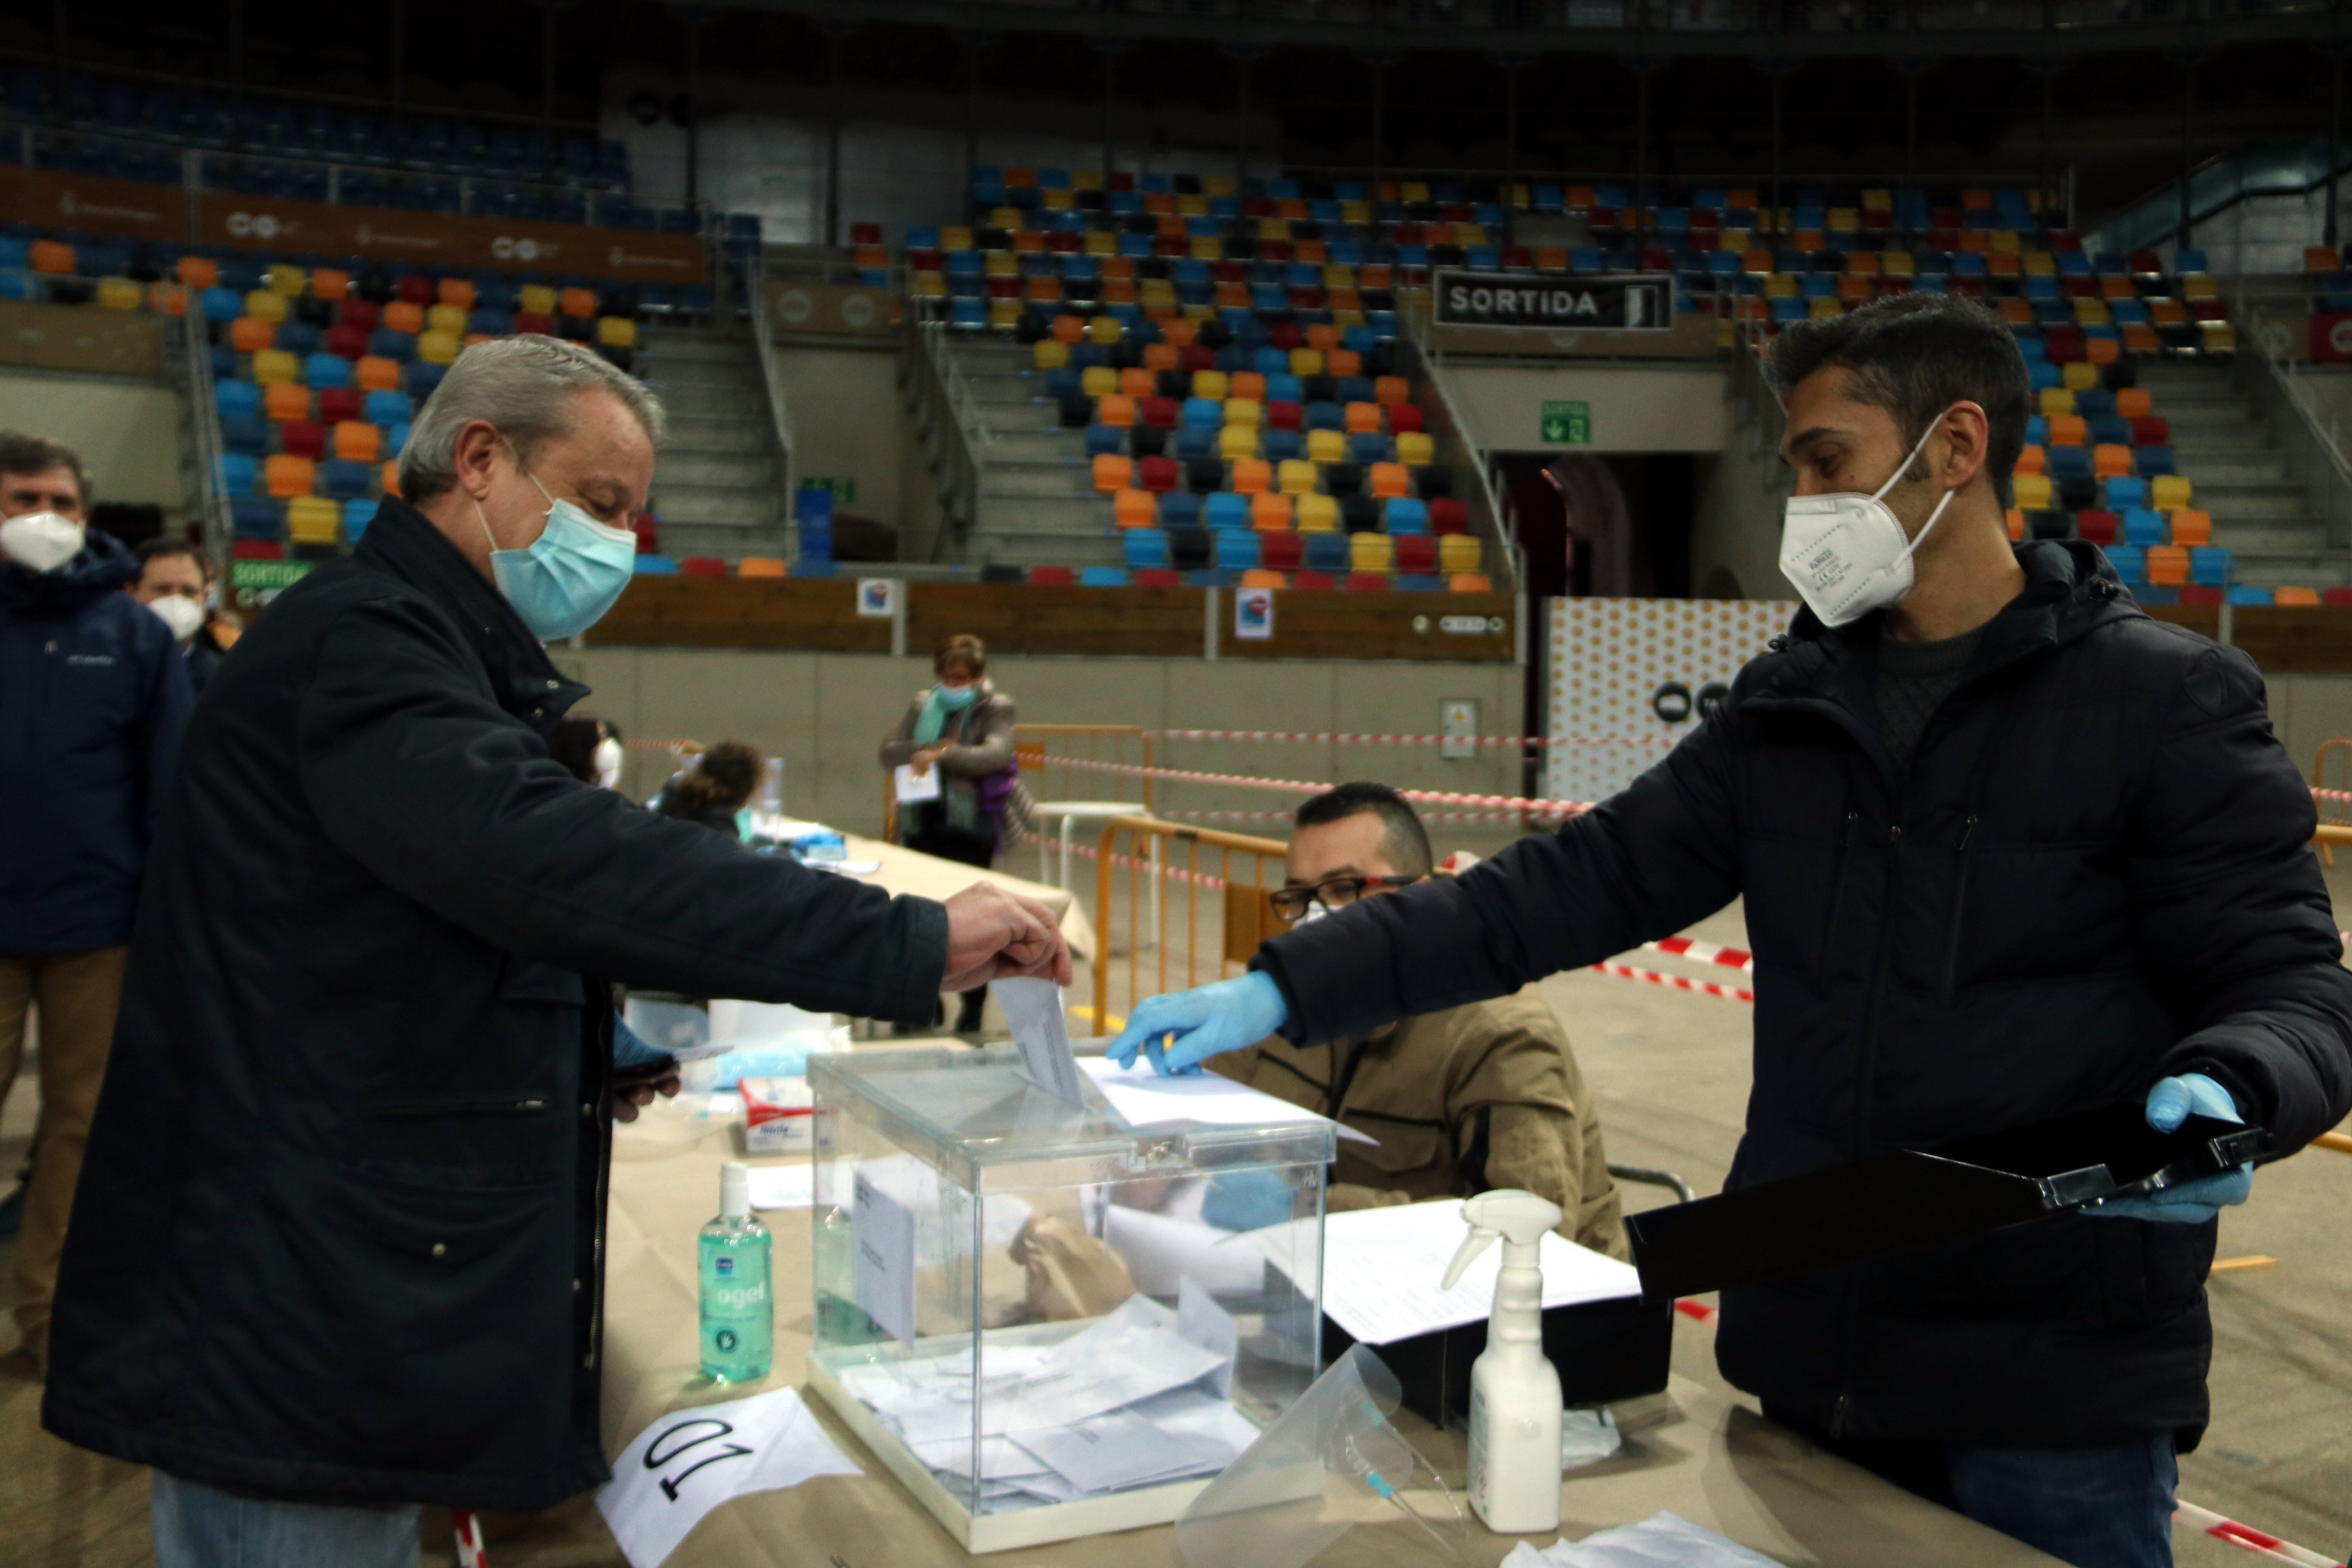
1336,893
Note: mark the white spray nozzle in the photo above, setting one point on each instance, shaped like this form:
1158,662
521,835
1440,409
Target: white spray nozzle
1506,1213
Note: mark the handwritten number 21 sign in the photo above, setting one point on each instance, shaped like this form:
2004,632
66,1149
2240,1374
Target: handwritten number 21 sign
691,1461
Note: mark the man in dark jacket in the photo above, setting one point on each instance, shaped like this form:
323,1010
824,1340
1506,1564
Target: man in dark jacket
175,581
2010,848
93,696
342,1248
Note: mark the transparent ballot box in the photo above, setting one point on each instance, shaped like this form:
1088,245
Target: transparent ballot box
1047,1322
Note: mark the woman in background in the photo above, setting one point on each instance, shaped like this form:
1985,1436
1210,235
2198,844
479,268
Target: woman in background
721,783
962,726
589,748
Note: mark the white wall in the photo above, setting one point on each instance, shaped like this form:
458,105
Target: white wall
128,432
1635,408
848,422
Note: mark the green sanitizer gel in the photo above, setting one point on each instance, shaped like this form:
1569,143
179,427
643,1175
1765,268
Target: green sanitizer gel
738,1307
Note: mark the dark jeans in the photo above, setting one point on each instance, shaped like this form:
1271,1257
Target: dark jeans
2094,1508
929,834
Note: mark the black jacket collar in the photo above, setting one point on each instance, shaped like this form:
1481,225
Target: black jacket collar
402,542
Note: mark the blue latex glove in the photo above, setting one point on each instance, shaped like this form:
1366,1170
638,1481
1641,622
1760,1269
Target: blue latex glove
1246,1200
2192,1203
1206,1020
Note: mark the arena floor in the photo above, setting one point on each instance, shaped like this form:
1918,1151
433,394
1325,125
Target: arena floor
1670,1069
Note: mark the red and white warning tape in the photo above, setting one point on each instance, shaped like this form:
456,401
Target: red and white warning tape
2331,794
1520,816
1304,786
1677,981
1699,952
2260,1542
471,1554
1322,737
1173,873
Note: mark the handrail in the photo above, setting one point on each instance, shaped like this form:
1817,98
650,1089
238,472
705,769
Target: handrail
926,367
1246,913
780,418
1455,431
2315,452
2227,179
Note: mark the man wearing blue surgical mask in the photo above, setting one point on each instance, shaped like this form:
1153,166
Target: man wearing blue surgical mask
338,1248
2009,850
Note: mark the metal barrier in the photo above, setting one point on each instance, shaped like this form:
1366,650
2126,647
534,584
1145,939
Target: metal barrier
1158,854
2332,798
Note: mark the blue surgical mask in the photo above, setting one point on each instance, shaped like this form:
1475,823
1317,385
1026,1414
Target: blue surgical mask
956,699
570,574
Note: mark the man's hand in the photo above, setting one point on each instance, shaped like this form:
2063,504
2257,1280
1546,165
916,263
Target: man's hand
2192,1203
994,934
626,1101
1206,1020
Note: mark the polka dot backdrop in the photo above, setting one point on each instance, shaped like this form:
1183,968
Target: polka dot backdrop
1642,668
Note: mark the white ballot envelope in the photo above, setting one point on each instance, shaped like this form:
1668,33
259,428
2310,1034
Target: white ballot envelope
913,788
1033,1008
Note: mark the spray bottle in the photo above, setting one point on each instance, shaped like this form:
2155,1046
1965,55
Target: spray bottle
1515,1403
739,1314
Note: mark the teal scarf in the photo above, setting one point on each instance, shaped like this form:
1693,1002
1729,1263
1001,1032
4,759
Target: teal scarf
932,722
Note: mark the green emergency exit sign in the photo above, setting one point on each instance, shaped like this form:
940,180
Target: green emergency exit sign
1568,424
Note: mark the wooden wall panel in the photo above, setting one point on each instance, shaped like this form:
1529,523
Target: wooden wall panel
815,613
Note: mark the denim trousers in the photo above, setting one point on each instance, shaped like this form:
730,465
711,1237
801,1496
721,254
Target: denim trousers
199,1526
2094,1508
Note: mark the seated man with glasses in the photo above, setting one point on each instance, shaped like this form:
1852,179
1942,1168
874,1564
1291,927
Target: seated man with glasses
1463,1101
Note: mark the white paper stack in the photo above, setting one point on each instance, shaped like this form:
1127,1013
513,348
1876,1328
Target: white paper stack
1661,1541
1134,1399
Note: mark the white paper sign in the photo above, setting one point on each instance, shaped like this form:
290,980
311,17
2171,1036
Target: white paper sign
783,1186
882,1280
1200,1320
1033,1008
1381,1269
1252,614
689,1461
1147,1099
913,788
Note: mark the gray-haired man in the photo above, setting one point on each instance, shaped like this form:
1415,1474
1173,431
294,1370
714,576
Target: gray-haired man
340,1249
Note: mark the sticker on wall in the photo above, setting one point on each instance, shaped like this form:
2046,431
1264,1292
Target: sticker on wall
877,597
1253,614
1637,675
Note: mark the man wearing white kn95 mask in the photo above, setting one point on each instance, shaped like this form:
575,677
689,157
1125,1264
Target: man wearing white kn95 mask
2009,850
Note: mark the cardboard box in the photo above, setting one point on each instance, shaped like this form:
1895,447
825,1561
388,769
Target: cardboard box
776,1115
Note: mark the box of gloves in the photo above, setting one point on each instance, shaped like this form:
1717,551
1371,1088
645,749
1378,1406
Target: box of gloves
777,1115
1056,1309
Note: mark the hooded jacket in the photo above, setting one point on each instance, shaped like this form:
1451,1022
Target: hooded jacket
2095,872
93,698
340,1235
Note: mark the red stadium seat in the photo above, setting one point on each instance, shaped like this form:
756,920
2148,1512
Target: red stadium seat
303,437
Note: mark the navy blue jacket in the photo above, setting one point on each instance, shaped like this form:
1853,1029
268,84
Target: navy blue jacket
93,696
2095,871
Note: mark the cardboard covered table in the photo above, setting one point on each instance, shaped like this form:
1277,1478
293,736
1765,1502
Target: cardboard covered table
1691,1451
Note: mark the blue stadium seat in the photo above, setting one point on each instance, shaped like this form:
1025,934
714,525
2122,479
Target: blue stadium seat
2210,567
1236,550
236,472
2125,492
1145,547
1226,511
1407,515
2129,560
246,433
383,407
357,515
236,398
2144,528
339,479
257,517
1101,438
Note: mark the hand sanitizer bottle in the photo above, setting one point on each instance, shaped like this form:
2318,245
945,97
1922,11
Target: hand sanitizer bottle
1515,1403
738,1310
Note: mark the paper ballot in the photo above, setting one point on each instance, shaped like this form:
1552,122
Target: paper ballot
1147,1099
1661,1541
689,1461
1033,1008
912,786
1382,1269
783,1186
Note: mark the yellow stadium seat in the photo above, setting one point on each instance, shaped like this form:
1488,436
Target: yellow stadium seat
1244,411
539,299
2220,337
1098,380
1460,553
437,348
1252,476
1825,308
1235,442
1295,476
1370,552
2033,492
1209,383
1114,471
1046,353
313,520
2169,492
2056,400
2200,286
285,475
121,294
450,319
1416,448
1306,362
1105,330
1270,512
1316,514
926,285
286,278
1326,446
275,365
2080,377
267,305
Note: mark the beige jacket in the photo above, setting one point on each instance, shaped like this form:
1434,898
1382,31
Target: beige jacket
1461,1102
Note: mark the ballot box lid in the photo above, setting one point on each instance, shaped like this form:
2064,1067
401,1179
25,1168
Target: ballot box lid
977,1118
1915,1198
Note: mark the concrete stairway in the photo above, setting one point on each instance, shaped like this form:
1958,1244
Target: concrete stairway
1037,504
2261,512
718,485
